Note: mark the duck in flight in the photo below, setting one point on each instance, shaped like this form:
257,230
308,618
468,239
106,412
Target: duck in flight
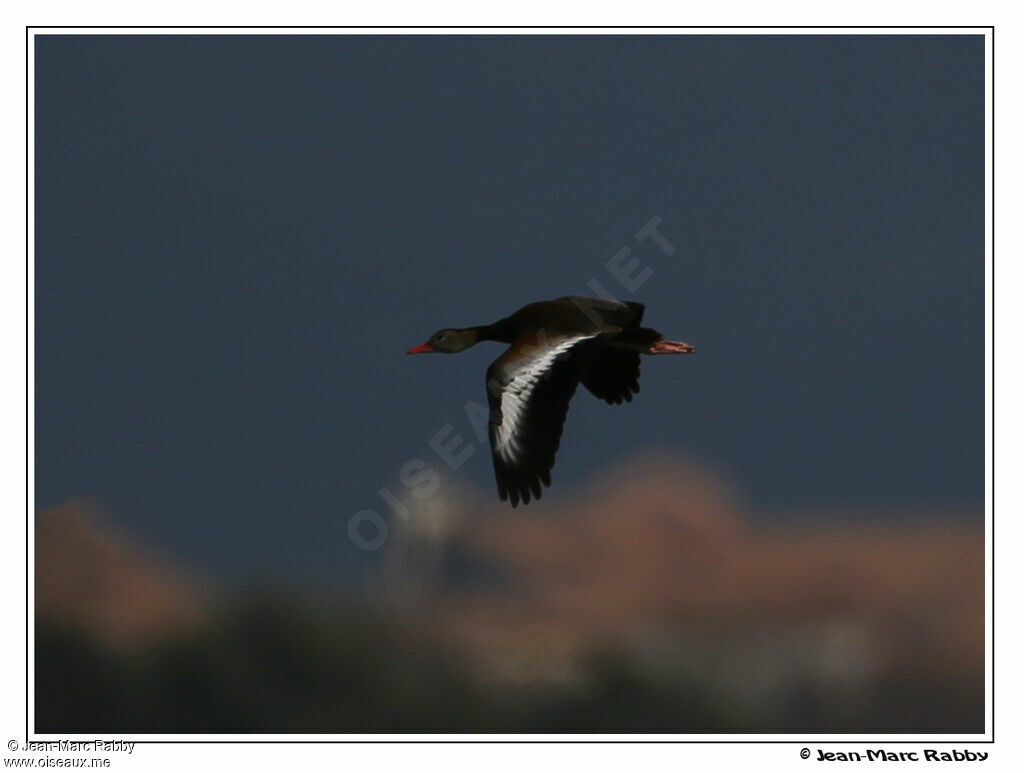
553,347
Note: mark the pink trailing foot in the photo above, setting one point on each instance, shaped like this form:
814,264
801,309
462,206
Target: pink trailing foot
664,346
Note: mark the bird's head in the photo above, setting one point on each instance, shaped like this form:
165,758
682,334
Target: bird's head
447,341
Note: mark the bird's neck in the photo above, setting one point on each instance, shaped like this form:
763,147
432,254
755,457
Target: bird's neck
498,331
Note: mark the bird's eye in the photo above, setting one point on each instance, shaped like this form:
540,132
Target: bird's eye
440,336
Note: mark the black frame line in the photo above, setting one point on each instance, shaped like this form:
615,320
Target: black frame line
30,31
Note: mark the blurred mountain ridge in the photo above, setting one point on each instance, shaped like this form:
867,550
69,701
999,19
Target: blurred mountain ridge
650,600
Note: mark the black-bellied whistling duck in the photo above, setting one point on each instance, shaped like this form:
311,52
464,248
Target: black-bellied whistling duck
555,345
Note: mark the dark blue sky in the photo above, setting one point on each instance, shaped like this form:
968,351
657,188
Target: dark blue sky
237,238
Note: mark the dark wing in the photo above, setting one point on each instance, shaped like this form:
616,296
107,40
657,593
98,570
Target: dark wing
614,375
529,398
602,312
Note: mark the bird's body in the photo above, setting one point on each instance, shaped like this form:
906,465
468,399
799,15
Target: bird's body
553,347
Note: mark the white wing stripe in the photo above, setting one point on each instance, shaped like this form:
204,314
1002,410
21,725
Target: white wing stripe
515,395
